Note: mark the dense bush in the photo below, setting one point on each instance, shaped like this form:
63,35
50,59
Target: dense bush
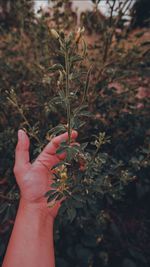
105,222
140,14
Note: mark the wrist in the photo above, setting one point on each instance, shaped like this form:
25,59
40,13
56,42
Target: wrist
36,209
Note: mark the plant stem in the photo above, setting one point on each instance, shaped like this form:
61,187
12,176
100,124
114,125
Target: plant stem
15,103
30,127
68,94
96,152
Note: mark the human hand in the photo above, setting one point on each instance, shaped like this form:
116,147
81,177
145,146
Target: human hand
34,179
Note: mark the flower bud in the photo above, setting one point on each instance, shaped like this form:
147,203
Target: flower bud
54,34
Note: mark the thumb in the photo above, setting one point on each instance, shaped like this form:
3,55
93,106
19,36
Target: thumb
22,149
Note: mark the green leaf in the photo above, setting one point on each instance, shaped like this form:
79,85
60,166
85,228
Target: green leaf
62,95
76,123
59,197
56,177
59,164
69,40
55,101
52,196
60,150
76,110
64,143
76,58
69,156
84,113
55,185
80,124
55,67
71,152
48,193
58,129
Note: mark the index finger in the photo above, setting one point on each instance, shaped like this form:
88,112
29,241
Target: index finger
51,148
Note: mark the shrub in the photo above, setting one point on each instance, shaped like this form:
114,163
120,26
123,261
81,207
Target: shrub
104,220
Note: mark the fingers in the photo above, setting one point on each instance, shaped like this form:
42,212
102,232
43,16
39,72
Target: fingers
64,137
22,154
51,148
62,156
22,148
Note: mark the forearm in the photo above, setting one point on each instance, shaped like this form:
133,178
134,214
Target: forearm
31,242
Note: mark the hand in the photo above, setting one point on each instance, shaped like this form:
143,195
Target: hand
34,179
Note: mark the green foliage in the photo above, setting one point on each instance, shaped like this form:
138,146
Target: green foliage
104,220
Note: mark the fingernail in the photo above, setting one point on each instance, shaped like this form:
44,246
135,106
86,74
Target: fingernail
75,132
20,134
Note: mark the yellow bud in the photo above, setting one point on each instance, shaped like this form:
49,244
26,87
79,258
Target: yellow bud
64,176
54,34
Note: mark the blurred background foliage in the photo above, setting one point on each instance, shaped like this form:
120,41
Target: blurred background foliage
112,227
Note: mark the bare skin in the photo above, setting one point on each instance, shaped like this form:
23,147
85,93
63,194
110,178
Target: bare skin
31,241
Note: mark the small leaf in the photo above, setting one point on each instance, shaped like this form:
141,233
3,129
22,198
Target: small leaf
52,196
59,164
58,129
60,150
56,67
84,113
59,197
76,58
71,152
80,124
79,109
69,39
55,185
69,156
56,100
48,193
64,144
62,95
